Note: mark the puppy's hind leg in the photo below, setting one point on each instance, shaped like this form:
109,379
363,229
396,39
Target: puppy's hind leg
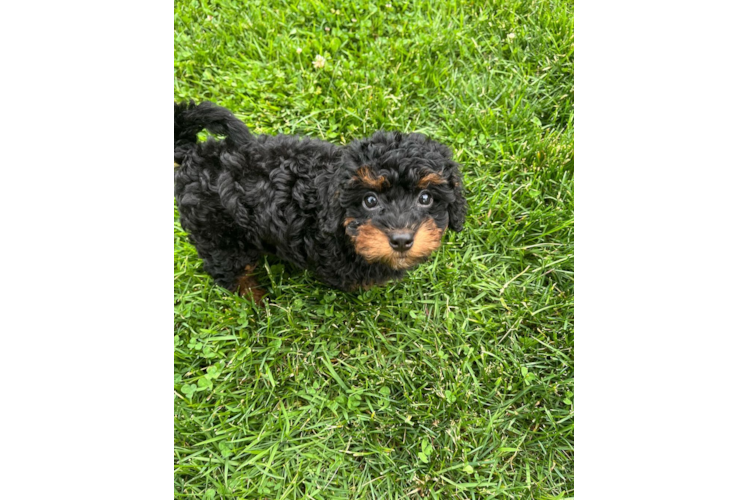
234,272
248,285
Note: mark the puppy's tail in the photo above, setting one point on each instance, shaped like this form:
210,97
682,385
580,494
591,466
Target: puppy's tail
189,119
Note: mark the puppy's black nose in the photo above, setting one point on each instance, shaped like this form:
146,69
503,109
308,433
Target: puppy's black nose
401,240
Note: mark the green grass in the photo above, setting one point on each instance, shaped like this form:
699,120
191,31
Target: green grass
454,383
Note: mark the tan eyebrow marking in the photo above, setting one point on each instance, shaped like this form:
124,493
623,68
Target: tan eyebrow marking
431,178
367,178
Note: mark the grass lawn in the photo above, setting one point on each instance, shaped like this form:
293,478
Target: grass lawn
454,383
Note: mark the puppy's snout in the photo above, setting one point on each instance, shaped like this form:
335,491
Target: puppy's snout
401,240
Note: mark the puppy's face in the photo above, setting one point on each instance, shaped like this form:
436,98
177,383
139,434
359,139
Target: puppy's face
401,194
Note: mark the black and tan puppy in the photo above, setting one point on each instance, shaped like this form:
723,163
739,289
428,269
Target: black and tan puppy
356,215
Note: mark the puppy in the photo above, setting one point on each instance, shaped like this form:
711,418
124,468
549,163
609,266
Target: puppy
356,215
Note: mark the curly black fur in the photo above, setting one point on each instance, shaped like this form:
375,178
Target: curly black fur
305,200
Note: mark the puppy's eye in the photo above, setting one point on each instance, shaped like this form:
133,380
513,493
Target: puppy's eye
425,199
370,201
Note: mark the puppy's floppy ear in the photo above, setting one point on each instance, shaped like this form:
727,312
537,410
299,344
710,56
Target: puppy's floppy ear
457,210
457,204
331,211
